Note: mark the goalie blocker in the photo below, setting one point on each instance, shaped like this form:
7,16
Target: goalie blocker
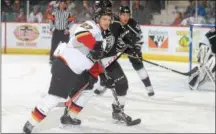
206,58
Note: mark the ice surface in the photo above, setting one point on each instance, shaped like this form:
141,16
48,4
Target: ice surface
175,108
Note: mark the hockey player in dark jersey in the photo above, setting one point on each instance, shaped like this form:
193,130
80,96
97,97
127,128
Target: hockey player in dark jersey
122,23
206,57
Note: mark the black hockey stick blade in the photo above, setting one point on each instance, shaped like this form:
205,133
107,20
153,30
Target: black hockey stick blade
134,122
172,70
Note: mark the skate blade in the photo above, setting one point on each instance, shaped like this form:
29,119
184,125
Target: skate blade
134,122
68,126
118,121
151,94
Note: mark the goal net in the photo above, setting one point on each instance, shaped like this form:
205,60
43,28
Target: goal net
197,31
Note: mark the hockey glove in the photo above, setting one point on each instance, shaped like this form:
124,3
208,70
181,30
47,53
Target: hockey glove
97,52
129,38
135,52
120,45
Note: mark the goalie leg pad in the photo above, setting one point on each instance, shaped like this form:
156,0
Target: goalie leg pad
203,54
209,68
196,79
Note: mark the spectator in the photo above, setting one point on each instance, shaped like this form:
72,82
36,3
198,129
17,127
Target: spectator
178,19
36,15
210,10
85,4
84,12
200,9
48,13
189,8
16,6
21,16
141,13
7,6
70,5
125,2
193,19
54,3
115,7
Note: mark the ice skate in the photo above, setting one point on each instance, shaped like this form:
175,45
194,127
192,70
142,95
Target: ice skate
119,115
27,129
67,120
150,91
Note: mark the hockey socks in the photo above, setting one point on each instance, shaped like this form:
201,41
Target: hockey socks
36,118
146,81
69,116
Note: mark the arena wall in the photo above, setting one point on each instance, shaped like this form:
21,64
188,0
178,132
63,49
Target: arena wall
160,42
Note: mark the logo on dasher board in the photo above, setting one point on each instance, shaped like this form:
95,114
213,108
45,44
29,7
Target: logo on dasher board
158,39
26,33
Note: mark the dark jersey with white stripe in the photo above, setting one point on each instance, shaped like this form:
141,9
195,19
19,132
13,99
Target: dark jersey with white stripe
211,36
61,19
117,28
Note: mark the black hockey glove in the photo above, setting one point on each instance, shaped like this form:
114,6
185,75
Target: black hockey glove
97,52
135,52
121,45
129,38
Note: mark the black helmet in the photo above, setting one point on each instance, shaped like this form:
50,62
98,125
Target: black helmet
124,9
103,11
103,4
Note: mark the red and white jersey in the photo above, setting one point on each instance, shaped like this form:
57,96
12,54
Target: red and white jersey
81,42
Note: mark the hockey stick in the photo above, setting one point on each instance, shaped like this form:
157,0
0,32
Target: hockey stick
69,101
114,58
172,70
129,123
158,65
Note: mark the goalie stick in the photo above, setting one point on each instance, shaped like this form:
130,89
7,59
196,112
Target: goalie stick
128,123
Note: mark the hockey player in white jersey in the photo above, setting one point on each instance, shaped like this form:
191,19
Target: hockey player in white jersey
117,80
206,57
73,61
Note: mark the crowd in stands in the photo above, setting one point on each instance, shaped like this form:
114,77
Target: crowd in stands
205,13
142,10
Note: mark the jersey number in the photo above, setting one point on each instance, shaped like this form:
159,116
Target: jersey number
86,26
